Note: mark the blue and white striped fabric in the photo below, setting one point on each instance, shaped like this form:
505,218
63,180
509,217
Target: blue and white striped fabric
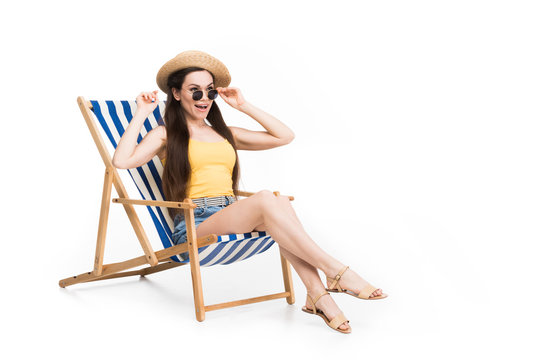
114,117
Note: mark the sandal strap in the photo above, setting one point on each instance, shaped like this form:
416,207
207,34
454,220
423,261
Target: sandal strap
335,282
319,296
366,291
337,278
313,302
338,320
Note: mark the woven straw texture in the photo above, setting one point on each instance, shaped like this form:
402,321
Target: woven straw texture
193,58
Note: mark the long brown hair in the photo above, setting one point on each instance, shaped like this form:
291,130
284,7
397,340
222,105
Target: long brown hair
177,167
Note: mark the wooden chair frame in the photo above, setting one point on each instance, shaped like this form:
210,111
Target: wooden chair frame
157,260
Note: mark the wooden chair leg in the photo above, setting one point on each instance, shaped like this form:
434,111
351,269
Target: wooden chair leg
192,245
103,220
135,222
287,277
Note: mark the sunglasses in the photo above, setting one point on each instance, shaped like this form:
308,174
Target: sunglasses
197,95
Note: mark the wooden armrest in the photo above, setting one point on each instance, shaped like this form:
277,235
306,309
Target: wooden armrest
168,204
247,194
243,193
178,204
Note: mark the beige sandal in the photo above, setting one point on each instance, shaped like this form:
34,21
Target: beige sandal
338,320
363,294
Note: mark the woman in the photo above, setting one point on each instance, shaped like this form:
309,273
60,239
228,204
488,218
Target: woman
201,164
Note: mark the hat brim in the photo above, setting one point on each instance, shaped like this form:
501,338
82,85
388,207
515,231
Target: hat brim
193,58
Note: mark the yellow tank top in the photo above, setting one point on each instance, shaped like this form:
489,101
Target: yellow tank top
212,164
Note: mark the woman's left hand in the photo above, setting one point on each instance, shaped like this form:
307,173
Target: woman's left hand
232,96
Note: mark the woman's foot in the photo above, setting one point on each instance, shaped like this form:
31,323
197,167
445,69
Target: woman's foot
327,305
350,280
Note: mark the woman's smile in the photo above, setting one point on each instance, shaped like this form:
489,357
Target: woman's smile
202,107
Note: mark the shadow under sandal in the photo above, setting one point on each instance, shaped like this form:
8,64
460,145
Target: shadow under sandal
335,322
363,294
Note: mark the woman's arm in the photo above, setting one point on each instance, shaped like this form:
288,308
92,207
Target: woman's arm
127,154
276,134
273,125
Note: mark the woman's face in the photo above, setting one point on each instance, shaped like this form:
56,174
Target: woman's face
195,109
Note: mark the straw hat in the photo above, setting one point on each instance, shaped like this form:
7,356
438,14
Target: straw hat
193,58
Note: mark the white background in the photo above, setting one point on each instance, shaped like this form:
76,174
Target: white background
414,162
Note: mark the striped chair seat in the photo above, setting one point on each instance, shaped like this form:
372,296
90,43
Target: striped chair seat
114,116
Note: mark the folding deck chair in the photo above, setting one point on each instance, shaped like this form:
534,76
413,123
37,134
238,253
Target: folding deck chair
113,117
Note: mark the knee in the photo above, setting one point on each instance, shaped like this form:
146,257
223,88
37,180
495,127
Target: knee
283,199
266,200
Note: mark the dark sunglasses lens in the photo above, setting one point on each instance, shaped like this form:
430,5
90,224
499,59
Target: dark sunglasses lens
197,95
212,94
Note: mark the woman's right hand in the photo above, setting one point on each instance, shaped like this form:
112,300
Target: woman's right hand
145,103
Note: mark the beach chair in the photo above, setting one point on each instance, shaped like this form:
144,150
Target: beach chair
113,117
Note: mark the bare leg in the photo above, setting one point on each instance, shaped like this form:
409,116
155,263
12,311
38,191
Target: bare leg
274,213
289,233
283,222
350,279
264,208
310,278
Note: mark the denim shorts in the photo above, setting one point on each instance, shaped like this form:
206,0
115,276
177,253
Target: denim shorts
179,236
